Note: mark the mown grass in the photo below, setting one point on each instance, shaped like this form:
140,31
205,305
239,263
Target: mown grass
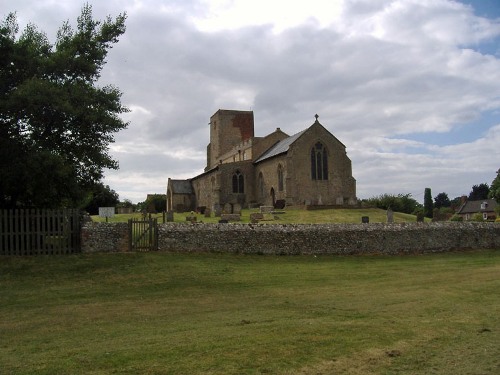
287,216
162,313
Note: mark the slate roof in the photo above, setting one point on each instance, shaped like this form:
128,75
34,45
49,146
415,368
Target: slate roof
181,187
472,207
279,148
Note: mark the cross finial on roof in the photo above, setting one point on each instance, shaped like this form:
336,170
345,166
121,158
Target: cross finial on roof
316,115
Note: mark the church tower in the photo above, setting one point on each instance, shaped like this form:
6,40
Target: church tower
227,128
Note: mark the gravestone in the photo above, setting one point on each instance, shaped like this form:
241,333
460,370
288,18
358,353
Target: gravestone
266,209
170,216
228,208
390,216
208,212
217,210
365,219
256,216
236,208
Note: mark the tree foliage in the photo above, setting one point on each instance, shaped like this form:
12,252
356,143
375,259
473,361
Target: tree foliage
495,188
442,200
398,203
56,123
100,196
428,204
479,192
156,203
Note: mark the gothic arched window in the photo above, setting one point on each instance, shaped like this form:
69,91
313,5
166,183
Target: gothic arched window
319,162
281,183
238,183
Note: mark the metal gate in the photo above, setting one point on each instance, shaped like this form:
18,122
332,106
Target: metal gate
143,234
39,232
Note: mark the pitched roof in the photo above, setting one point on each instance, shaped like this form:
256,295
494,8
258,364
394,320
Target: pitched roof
280,147
181,186
472,207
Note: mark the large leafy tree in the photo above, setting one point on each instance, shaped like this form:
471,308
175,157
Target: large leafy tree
479,192
442,200
495,188
100,196
56,123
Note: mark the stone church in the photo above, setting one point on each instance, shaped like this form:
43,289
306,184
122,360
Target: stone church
310,168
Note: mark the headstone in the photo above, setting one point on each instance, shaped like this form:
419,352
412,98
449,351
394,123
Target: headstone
390,216
266,209
217,210
228,208
231,217
365,219
170,216
256,216
236,208
208,212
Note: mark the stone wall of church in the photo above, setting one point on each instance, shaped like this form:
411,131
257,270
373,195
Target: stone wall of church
269,182
207,188
227,195
340,188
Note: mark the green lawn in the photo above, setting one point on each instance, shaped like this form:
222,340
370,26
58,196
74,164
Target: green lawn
289,216
162,313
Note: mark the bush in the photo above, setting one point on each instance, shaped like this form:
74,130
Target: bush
456,218
477,217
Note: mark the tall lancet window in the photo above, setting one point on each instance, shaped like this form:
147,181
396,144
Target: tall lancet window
319,162
238,183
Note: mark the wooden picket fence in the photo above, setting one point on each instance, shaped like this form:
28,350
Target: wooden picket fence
39,232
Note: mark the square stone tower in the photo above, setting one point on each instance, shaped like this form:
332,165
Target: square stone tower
227,129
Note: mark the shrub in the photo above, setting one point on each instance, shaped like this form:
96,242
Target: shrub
477,217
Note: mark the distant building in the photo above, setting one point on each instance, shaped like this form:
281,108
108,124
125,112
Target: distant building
485,207
309,168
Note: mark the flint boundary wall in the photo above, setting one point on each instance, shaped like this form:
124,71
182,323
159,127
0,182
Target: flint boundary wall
279,239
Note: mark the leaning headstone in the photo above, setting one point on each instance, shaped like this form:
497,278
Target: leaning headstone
390,216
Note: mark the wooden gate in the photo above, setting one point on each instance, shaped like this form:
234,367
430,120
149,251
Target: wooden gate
39,232
143,234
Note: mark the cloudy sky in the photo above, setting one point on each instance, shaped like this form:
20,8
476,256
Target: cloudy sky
411,87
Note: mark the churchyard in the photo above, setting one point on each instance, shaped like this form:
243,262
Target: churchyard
165,313
287,216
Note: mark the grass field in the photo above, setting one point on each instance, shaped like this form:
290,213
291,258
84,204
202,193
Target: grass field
290,216
162,313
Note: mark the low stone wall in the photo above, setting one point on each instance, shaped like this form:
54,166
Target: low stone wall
329,238
337,239
104,237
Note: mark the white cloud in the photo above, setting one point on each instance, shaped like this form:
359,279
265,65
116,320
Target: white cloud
378,73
